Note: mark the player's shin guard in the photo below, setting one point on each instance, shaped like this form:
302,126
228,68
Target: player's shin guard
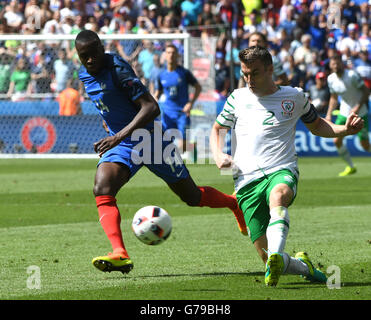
110,219
278,229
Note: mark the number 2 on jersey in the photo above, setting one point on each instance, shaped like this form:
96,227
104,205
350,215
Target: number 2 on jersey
268,121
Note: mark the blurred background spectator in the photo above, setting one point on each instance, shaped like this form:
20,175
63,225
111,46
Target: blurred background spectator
20,81
300,34
319,93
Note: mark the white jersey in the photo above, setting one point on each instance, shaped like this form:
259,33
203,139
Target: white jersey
349,87
265,131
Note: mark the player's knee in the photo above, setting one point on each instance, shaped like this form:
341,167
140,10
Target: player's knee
190,201
281,195
101,190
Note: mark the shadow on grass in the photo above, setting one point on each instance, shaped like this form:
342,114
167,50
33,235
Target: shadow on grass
206,274
321,285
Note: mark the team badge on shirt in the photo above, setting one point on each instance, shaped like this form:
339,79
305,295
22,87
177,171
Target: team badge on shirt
288,107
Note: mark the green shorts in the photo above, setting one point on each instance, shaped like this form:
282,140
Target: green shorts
363,134
253,199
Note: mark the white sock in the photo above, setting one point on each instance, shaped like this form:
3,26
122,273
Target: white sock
278,229
294,266
345,155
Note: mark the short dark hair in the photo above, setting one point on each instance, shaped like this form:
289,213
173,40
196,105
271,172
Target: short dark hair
171,45
336,56
252,54
87,36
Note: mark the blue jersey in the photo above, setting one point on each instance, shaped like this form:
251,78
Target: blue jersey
113,91
174,85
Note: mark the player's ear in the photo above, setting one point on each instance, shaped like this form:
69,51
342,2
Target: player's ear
270,68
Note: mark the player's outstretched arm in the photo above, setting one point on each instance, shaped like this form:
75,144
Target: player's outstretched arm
148,111
217,137
324,128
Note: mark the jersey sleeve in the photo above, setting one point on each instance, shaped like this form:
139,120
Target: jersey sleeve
227,117
308,112
129,82
190,77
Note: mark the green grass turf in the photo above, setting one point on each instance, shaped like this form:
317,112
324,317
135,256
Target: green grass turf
49,220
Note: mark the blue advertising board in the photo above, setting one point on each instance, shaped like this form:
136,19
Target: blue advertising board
36,127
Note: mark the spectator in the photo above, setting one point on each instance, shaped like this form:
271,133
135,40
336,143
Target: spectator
153,16
289,24
270,27
248,6
303,54
20,84
296,42
312,69
156,70
45,13
67,24
32,11
168,24
105,29
317,6
5,70
190,11
351,41
295,76
13,15
145,59
254,25
319,93
64,70
40,76
69,101
53,26
284,10
206,14
318,34
55,5
79,24
364,15
144,25
129,49
365,37
362,65
222,76
233,53
349,11
68,10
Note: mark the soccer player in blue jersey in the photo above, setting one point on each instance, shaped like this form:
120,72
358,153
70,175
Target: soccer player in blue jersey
173,83
126,106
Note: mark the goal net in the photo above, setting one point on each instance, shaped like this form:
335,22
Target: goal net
39,73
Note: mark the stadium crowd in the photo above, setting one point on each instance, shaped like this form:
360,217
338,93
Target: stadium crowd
303,34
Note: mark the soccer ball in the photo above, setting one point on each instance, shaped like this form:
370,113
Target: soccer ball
151,225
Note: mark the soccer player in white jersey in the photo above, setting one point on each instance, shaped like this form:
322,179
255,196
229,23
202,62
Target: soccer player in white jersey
264,116
354,94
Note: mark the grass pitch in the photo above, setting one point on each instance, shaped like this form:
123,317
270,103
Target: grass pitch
49,223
